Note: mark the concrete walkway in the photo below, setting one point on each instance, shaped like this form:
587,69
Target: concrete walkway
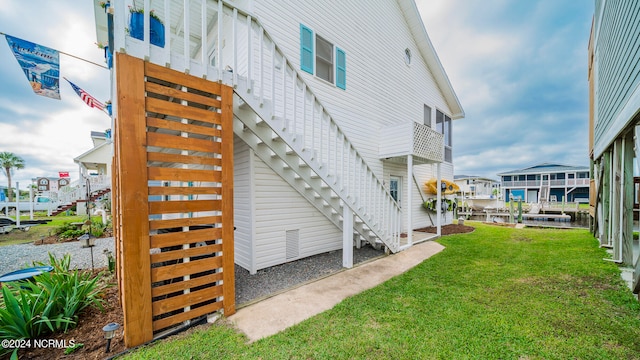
277,313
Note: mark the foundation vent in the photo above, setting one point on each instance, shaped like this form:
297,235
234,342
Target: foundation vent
293,243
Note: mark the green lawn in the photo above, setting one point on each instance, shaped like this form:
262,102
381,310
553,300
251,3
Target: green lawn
36,232
496,293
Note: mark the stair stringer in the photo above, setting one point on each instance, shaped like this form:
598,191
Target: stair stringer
274,153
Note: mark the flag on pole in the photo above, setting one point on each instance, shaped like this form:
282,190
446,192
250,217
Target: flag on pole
88,99
40,64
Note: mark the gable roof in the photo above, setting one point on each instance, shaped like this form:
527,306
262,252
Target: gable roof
545,168
419,32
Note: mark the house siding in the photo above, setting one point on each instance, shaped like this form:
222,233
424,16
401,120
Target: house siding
617,67
279,208
370,101
243,205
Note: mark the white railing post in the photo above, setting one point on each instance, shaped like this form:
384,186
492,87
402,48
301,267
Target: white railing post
347,237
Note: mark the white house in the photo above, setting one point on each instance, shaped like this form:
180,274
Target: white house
341,111
371,106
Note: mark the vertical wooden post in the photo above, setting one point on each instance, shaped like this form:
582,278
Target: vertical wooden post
606,197
616,203
228,277
627,199
134,221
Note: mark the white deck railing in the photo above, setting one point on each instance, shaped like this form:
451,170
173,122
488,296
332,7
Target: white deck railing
261,74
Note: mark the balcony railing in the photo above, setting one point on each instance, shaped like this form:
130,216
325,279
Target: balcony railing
411,138
553,183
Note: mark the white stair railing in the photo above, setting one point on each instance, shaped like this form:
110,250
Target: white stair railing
270,84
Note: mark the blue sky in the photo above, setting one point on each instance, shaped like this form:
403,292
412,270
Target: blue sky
519,69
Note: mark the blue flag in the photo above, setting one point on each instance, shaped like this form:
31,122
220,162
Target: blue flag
40,64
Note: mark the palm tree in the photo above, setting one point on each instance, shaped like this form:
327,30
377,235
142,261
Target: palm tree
8,162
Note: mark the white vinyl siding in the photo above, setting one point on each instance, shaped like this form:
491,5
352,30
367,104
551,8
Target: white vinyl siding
361,111
242,205
280,209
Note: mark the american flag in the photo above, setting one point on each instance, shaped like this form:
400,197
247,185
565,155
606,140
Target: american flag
88,99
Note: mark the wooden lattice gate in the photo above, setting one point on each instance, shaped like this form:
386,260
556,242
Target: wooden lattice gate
173,198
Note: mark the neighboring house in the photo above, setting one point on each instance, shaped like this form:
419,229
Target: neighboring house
94,181
476,185
97,160
546,182
614,96
338,121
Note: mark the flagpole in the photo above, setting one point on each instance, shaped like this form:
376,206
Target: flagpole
73,56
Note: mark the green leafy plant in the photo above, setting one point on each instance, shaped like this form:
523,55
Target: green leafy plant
50,303
74,348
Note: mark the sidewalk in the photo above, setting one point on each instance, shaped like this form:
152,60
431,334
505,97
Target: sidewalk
277,313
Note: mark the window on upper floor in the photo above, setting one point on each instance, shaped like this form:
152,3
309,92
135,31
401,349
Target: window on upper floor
320,57
427,116
443,126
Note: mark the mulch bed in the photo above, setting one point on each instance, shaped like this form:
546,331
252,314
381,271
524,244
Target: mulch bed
88,331
448,229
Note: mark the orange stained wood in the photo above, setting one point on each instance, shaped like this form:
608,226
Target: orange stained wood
177,319
227,201
182,111
182,269
186,284
176,129
183,159
183,95
182,143
183,206
178,126
194,221
183,253
188,299
185,190
176,77
184,237
134,217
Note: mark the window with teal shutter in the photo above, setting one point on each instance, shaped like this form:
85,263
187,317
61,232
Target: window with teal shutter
306,49
341,69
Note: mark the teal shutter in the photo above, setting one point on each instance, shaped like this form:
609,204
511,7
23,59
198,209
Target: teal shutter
341,69
306,49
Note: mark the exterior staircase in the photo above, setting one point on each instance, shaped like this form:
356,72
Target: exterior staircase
280,118
62,208
276,112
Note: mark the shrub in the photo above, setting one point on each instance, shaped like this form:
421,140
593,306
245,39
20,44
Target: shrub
50,303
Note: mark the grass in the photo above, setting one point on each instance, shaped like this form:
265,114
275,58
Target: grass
37,232
495,293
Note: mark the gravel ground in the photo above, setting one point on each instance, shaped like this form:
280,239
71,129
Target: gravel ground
275,279
15,257
249,287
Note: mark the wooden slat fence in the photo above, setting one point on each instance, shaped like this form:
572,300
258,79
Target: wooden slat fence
173,203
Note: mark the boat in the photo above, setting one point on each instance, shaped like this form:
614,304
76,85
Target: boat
484,202
431,187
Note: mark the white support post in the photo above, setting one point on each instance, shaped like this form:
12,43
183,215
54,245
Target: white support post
186,32
235,46
438,200
17,203
409,198
219,40
31,202
347,237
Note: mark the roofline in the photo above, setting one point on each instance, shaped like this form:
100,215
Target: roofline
520,171
77,158
419,32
